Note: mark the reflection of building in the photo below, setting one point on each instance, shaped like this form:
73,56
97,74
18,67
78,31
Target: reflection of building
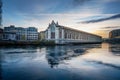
62,35
22,34
115,33
42,35
55,55
115,49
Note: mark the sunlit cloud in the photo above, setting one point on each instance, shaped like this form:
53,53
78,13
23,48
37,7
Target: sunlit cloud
102,19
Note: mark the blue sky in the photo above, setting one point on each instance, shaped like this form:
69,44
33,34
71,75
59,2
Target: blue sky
39,13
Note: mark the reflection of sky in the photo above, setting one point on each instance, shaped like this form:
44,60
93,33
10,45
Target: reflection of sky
39,13
97,59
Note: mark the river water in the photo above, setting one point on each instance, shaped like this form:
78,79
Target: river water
68,62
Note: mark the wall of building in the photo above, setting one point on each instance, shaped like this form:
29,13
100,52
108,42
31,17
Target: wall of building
1,34
32,34
114,33
9,36
42,35
0,13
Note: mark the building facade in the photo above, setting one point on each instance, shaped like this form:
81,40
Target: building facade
32,34
114,33
9,33
11,36
63,35
20,34
0,13
23,34
1,33
42,35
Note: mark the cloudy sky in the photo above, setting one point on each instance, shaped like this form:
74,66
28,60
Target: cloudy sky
95,16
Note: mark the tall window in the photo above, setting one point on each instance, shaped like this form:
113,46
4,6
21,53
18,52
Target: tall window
60,33
52,32
65,34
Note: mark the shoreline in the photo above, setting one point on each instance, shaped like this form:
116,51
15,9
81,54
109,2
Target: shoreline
51,43
38,43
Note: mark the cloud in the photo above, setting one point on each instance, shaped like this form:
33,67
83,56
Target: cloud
79,2
111,27
102,19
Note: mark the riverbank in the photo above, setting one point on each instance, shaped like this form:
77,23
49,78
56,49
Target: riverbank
38,43
22,43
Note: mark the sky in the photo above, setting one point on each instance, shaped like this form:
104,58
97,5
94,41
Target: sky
94,16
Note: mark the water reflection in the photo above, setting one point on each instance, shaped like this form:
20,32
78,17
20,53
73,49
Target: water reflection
15,55
68,62
115,49
106,64
56,55
108,55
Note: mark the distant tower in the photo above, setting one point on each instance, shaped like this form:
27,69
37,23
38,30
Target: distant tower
0,13
57,23
53,22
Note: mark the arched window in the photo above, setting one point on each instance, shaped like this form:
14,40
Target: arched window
52,29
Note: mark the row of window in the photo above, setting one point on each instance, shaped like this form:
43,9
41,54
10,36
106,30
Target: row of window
78,35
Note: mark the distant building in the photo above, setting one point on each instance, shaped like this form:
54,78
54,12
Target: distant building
20,34
10,28
9,33
42,35
23,34
114,33
32,34
1,34
11,36
62,35
0,13
19,31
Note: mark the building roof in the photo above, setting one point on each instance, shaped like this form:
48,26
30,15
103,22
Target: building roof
76,30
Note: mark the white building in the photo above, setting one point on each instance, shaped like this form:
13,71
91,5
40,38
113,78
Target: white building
63,35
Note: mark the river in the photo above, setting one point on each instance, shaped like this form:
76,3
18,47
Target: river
68,62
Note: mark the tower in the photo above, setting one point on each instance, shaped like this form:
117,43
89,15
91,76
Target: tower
0,13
